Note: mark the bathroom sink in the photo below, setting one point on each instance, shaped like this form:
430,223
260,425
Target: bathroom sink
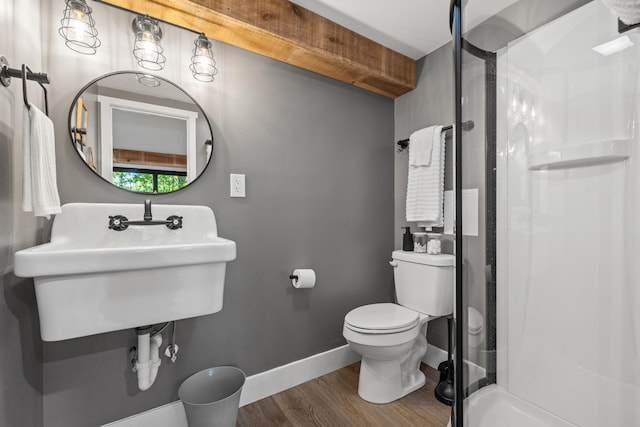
91,279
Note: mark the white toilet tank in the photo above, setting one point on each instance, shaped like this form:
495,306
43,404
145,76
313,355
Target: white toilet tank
424,282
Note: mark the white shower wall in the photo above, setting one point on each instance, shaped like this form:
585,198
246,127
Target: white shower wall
569,236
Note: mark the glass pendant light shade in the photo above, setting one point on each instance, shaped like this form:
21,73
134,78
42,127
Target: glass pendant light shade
147,48
78,28
148,79
203,66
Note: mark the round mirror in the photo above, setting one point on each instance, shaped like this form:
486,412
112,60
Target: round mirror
140,132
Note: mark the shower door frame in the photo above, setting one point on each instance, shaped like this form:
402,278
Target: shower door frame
457,412
460,45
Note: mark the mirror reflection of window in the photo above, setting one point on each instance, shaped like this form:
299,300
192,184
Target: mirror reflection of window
149,151
143,139
148,181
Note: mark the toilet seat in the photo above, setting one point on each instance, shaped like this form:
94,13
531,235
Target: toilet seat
383,318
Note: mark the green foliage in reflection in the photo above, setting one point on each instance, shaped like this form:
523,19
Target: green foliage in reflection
168,183
134,181
144,182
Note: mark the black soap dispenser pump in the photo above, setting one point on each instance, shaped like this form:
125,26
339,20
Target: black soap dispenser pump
407,240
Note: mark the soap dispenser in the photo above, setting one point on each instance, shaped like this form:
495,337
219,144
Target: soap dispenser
407,240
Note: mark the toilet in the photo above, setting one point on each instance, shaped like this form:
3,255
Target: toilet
475,333
391,338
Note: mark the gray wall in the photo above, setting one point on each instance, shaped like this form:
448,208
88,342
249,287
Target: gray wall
429,104
20,345
319,164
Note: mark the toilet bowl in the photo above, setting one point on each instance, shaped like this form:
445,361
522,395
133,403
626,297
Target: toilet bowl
391,338
392,342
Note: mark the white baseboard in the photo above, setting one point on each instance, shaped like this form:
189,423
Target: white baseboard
256,387
169,415
278,379
290,375
435,355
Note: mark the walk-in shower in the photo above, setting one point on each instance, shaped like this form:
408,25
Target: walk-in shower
552,89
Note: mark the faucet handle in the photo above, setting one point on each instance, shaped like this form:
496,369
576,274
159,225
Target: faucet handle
174,222
118,223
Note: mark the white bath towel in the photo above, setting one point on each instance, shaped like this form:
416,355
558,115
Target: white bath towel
627,10
425,186
40,186
421,146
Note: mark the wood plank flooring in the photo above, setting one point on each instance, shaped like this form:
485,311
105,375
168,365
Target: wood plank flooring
332,401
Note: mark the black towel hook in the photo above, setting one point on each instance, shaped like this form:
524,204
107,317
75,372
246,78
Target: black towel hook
24,87
25,77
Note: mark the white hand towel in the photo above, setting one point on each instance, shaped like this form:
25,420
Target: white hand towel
421,145
627,10
40,186
425,187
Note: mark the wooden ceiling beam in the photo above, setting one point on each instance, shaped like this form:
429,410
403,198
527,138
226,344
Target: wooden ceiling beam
284,31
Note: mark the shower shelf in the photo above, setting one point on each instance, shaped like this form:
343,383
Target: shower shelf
587,154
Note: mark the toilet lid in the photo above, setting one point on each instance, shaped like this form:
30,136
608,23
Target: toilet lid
385,318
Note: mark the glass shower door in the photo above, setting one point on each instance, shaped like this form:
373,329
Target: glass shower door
548,193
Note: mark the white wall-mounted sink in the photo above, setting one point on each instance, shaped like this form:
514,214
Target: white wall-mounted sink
90,279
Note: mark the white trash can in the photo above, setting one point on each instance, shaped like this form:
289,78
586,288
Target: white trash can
211,397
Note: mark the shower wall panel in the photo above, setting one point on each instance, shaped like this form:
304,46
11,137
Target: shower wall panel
568,232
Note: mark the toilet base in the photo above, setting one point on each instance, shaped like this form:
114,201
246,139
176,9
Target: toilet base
390,367
381,381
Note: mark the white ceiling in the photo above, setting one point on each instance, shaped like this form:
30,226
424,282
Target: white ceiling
411,27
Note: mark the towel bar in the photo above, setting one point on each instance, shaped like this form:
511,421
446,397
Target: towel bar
403,144
25,74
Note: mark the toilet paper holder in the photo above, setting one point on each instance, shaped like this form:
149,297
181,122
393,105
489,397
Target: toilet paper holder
303,278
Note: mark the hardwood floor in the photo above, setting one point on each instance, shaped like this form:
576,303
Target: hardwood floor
332,401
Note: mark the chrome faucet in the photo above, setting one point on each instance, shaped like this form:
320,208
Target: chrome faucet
147,210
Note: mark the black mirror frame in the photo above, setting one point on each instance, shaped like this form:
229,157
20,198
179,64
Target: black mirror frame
73,142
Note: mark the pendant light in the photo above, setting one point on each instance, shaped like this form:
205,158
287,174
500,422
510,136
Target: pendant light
78,28
203,66
147,48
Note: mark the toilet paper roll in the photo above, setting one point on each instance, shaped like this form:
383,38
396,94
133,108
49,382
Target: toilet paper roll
303,278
